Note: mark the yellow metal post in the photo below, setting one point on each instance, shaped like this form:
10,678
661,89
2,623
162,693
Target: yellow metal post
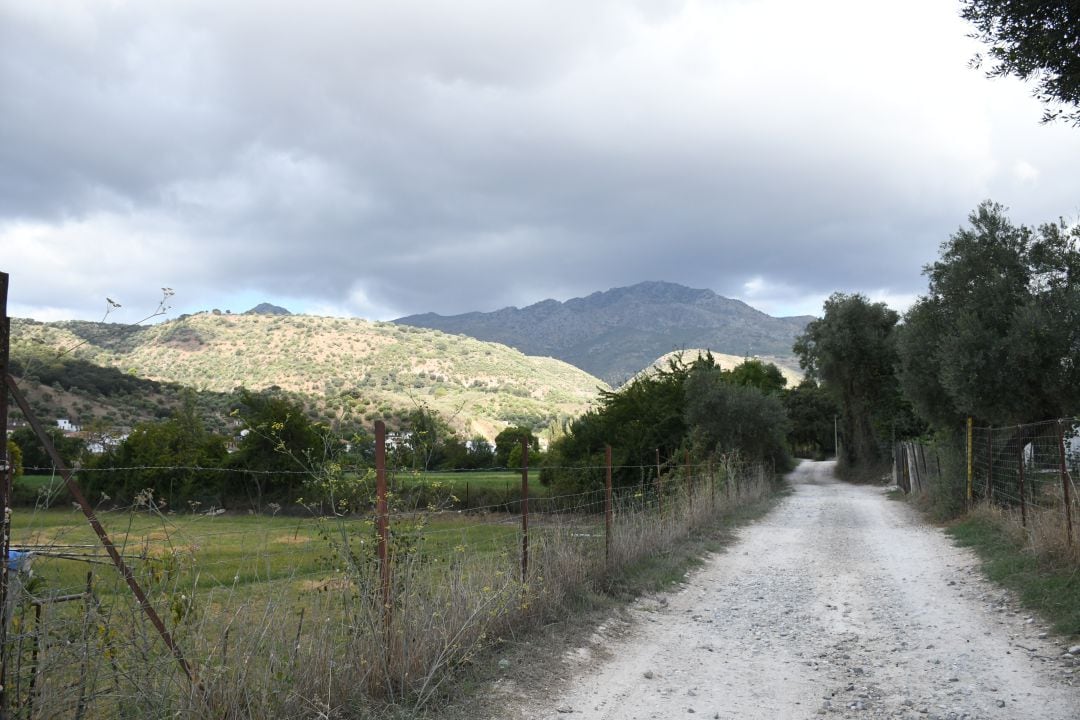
971,467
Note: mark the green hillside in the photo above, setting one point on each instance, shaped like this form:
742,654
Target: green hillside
350,371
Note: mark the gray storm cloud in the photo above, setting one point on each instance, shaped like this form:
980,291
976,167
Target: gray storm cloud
388,158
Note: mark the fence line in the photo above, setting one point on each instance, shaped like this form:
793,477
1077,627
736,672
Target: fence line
1027,471
392,599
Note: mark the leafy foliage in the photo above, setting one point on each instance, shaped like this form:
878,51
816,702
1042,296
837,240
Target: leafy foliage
730,417
162,457
15,458
811,412
852,351
696,406
511,438
34,455
758,374
1033,39
281,444
997,336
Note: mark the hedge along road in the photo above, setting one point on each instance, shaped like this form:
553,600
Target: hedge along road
839,603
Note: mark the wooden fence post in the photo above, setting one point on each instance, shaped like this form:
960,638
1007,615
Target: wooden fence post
6,475
689,485
990,464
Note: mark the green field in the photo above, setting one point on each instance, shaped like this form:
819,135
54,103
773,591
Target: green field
263,605
232,551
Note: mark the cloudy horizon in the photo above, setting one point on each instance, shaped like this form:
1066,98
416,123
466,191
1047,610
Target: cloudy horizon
384,159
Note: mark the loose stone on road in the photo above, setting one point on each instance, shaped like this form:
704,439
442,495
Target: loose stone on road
839,604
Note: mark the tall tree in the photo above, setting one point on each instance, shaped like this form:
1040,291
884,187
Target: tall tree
165,457
510,438
997,335
811,412
728,417
71,449
759,374
851,351
1033,40
280,444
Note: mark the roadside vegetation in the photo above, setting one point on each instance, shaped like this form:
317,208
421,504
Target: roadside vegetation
995,341
1045,582
260,544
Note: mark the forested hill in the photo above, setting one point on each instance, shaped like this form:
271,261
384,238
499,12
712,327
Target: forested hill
617,333
347,370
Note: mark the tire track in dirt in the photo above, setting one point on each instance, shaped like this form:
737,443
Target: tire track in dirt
839,603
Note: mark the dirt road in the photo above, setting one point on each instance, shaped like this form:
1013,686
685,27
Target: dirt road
839,603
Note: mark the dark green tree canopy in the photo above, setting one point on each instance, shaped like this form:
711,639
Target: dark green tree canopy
811,411
165,457
428,436
735,418
693,406
759,374
851,351
997,336
34,456
510,438
279,435
1033,40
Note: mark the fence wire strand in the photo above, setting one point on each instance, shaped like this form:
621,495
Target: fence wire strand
293,592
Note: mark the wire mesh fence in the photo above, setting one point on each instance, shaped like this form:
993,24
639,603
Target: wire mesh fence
1028,471
291,615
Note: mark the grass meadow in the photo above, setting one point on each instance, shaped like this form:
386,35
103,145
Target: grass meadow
286,616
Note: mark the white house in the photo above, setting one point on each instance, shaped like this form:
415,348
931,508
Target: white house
67,426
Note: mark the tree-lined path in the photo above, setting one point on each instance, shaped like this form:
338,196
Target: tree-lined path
839,603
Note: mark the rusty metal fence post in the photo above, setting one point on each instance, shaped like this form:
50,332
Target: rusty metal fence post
607,506
382,525
659,486
524,511
1065,495
1020,475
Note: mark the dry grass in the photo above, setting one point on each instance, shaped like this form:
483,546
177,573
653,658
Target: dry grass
328,647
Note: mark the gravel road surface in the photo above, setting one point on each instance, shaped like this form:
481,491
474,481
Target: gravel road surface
839,603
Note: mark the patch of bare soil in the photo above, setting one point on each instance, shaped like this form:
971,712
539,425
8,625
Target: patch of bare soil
838,604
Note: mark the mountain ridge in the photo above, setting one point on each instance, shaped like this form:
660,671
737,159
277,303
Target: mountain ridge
615,333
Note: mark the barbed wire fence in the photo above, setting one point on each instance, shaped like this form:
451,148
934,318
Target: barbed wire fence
1028,472
292,615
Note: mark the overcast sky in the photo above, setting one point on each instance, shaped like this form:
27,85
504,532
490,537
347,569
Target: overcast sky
377,159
